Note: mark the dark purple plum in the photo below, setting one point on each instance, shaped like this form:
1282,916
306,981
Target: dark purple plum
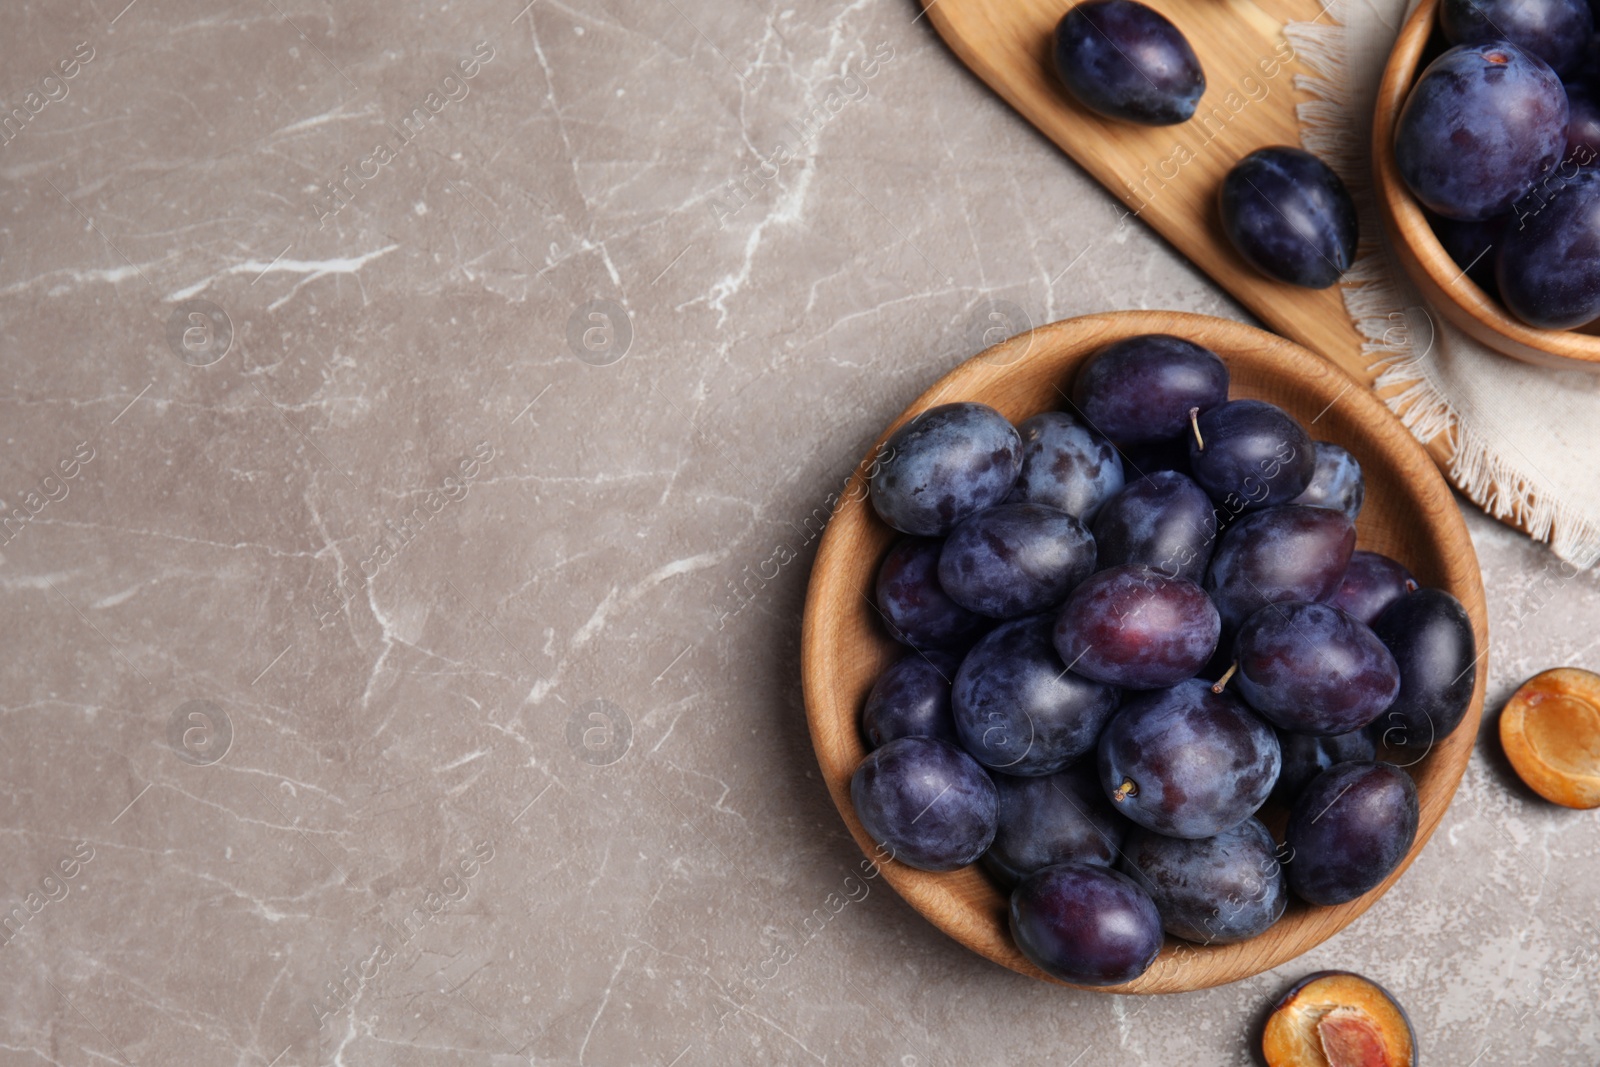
1085,924
1305,757
1312,669
1251,453
1018,709
1056,818
949,462
1290,216
1483,123
1349,829
1583,126
1557,31
1153,457
1336,483
1187,762
1163,520
911,698
926,801
1474,246
1548,270
1287,553
1371,583
1140,390
1134,627
1015,559
1211,890
1431,638
1126,61
914,605
1066,465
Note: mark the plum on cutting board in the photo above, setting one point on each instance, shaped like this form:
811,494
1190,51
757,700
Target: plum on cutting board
1127,61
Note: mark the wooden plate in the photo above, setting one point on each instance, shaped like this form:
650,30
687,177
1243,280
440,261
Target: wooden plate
1430,267
1410,515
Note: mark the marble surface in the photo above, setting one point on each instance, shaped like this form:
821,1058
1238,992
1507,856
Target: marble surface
394,394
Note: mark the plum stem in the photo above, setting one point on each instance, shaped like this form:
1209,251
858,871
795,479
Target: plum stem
1125,790
1194,421
1222,683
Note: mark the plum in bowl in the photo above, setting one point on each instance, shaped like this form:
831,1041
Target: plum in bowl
1452,261
1409,515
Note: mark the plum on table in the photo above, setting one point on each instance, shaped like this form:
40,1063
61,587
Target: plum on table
1550,730
1338,1019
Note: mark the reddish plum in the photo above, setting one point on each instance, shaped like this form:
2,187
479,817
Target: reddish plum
913,604
1134,627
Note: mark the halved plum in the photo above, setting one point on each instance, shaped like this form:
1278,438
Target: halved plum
1551,732
1339,1019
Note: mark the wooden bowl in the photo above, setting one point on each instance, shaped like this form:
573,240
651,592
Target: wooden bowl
1435,274
1409,515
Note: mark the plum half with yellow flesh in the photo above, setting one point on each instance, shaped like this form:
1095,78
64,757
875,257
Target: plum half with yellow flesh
1551,733
1339,1019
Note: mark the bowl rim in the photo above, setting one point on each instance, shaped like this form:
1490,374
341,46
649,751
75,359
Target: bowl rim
1423,257
833,719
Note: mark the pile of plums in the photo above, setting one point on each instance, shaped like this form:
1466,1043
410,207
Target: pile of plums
1128,625
1498,140
1285,211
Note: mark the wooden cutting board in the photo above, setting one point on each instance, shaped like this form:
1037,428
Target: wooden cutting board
1168,176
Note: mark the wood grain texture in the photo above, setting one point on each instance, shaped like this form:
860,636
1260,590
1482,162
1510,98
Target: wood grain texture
1410,514
1423,258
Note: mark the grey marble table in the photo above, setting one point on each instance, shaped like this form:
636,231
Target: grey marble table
394,395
